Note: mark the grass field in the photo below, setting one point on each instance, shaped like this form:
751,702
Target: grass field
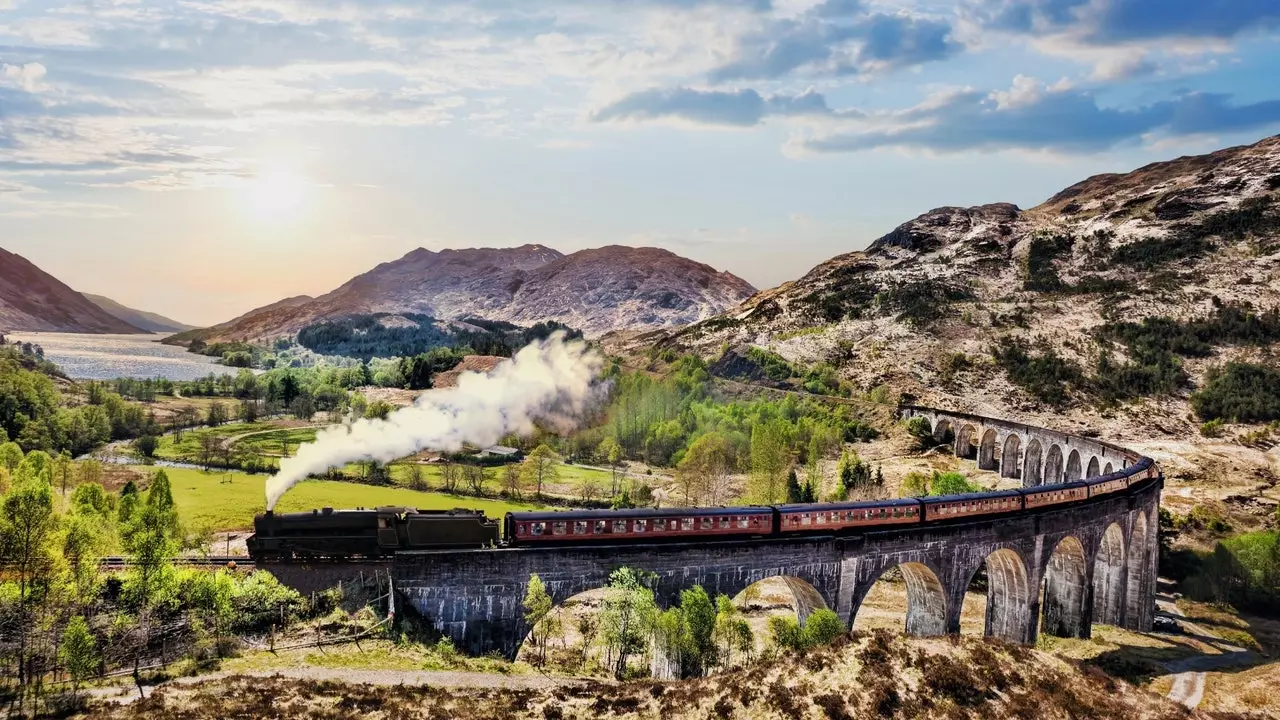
229,500
272,442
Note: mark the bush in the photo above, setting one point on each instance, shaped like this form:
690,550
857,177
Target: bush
1046,376
147,445
1243,571
919,428
1212,429
1239,392
920,303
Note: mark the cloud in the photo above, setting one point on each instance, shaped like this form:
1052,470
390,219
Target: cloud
28,77
836,40
736,108
1033,116
1106,22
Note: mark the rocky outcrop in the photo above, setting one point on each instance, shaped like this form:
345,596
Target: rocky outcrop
32,299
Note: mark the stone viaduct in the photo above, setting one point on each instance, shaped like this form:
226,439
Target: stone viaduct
1056,570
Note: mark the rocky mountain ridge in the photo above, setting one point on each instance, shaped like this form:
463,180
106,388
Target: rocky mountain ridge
596,290
922,307
149,321
32,299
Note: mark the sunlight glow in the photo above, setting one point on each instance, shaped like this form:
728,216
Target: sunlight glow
277,194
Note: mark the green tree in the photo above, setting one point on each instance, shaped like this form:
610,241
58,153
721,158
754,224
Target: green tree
78,652
28,526
217,414
147,445
626,617
10,455
611,451
539,467
822,627
699,618
36,466
378,410
795,493
537,607
706,467
770,460
786,633
951,483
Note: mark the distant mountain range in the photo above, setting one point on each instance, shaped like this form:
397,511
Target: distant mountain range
597,290
151,322
32,299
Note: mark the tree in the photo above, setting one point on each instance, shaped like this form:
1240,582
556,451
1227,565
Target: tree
729,630
210,447
786,633
416,480
770,460
626,615
588,488
378,410
511,480
706,468
611,451
217,414
62,469
10,455
822,627
249,410
450,476
537,606
539,467
476,477
699,617
37,466
28,525
795,494
78,652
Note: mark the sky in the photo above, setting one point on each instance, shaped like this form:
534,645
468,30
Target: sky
201,158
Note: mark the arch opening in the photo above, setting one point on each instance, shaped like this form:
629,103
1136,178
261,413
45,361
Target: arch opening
1073,466
966,441
1064,610
1032,465
1108,469
910,588
1053,466
1007,601
1108,578
987,451
1009,456
943,432
1094,469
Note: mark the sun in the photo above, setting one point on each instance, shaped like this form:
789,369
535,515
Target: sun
277,194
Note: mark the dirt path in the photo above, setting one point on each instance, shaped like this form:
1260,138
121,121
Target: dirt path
432,678
1190,673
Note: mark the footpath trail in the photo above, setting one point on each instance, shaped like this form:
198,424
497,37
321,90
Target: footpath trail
1190,673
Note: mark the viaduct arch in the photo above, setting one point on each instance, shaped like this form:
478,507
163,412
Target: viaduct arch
1094,560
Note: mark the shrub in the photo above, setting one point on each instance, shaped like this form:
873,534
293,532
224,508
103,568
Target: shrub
147,445
1212,429
1046,375
1239,392
922,302
822,627
921,431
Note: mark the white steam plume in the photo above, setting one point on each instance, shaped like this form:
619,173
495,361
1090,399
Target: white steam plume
548,382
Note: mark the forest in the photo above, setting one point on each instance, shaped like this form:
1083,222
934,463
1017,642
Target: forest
409,334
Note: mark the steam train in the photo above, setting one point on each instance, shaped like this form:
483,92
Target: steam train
381,532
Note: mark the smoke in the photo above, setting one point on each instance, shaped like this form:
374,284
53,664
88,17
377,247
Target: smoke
549,382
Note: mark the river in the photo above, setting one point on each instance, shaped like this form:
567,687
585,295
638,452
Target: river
106,357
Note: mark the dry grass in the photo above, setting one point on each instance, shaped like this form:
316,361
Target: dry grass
876,675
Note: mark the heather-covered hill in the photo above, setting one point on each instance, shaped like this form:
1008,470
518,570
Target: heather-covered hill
32,299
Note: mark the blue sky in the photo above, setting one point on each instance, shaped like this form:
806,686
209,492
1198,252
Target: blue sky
203,157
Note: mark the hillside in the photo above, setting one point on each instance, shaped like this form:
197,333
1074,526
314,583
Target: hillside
32,299
881,675
151,322
594,290
954,305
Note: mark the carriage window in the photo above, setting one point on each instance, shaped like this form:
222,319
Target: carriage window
559,528
637,526
743,521
539,528
600,526
685,523
755,521
708,523
580,527
897,512
822,518
805,519
725,522
620,526
520,529
672,524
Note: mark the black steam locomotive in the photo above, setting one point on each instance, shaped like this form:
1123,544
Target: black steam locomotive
369,533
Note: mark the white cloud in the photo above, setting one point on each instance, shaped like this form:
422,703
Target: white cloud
28,77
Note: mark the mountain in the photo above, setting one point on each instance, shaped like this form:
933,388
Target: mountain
594,290
31,299
1034,313
151,322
